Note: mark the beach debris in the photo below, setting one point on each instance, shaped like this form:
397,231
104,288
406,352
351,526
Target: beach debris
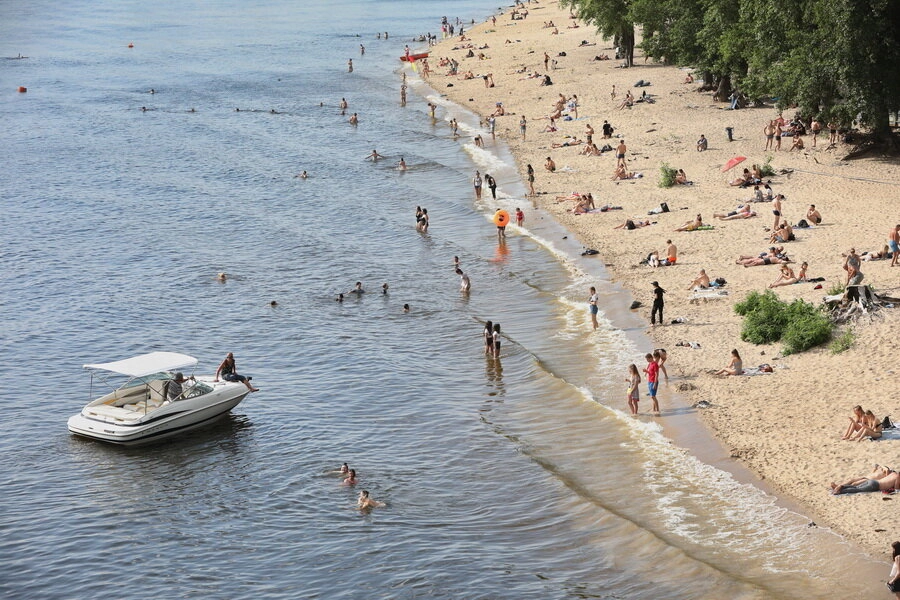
702,404
686,387
857,301
590,252
636,304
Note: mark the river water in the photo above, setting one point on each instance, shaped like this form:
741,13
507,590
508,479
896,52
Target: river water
517,477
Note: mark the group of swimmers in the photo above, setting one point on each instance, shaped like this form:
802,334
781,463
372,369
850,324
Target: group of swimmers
364,502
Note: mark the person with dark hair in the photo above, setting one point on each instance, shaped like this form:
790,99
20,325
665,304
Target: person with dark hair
351,478
658,303
735,367
652,371
174,388
228,371
893,582
487,334
882,479
492,185
495,338
594,308
365,502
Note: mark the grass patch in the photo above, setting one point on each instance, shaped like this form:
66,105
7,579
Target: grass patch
767,320
843,342
666,176
767,170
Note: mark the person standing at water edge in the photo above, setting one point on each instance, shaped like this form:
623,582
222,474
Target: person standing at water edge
520,217
350,66
893,581
592,304
228,371
652,371
634,393
492,185
657,303
530,177
476,183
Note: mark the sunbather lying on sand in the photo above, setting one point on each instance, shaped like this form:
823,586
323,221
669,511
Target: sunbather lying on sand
692,225
743,212
568,142
573,196
631,224
882,479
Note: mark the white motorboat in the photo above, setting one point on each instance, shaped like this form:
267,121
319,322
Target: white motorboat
140,409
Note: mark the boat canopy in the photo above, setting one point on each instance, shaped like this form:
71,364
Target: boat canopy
148,364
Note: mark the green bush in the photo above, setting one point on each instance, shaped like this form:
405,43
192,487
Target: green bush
767,170
807,327
843,342
666,176
767,319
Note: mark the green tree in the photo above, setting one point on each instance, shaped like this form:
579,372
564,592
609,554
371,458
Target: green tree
612,18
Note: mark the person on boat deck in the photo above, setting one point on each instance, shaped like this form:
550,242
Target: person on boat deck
175,389
228,371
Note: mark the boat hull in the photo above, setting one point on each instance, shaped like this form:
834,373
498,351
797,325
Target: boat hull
170,420
413,57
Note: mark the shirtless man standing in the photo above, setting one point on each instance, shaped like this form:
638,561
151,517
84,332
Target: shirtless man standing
776,210
894,244
769,130
620,154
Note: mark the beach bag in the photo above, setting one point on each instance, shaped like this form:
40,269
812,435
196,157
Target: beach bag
664,207
802,224
721,281
886,423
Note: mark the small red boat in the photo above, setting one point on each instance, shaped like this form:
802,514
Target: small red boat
413,57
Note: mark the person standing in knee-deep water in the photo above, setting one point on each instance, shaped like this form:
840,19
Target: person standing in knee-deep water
476,183
487,334
634,382
657,303
492,185
592,303
652,371
495,337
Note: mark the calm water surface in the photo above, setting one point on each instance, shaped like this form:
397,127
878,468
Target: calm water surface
512,478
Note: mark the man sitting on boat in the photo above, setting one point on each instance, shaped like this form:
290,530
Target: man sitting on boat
174,387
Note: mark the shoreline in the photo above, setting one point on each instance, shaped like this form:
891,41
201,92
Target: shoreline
795,468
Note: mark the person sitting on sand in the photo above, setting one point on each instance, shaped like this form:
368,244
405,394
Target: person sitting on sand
689,78
784,233
692,225
590,149
681,178
756,174
870,427
798,143
628,102
743,212
621,173
813,216
631,224
701,281
735,367
881,479
786,277
499,111
769,194
801,274
743,181
857,419
584,205
550,165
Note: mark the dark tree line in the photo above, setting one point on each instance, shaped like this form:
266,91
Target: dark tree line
832,59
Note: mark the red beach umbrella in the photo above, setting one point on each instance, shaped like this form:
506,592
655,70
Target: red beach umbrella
733,163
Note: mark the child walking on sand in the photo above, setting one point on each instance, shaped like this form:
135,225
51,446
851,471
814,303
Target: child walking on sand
634,382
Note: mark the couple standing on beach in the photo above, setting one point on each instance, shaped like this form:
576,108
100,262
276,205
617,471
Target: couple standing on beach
655,363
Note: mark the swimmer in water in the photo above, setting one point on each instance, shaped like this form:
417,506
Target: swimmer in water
222,276
365,503
358,289
273,304
374,156
406,308
351,478
354,119
340,298
464,284
402,164
384,288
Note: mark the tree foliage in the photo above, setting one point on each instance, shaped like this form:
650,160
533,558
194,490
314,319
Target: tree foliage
832,59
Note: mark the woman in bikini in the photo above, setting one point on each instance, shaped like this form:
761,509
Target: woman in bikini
856,421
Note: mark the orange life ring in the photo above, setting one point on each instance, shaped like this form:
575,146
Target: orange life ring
501,218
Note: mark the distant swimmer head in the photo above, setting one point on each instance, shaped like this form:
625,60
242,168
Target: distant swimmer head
340,298
273,303
406,308
222,276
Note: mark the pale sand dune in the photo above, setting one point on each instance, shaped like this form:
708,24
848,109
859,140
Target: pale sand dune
785,426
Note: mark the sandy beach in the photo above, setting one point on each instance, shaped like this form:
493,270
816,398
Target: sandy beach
785,426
